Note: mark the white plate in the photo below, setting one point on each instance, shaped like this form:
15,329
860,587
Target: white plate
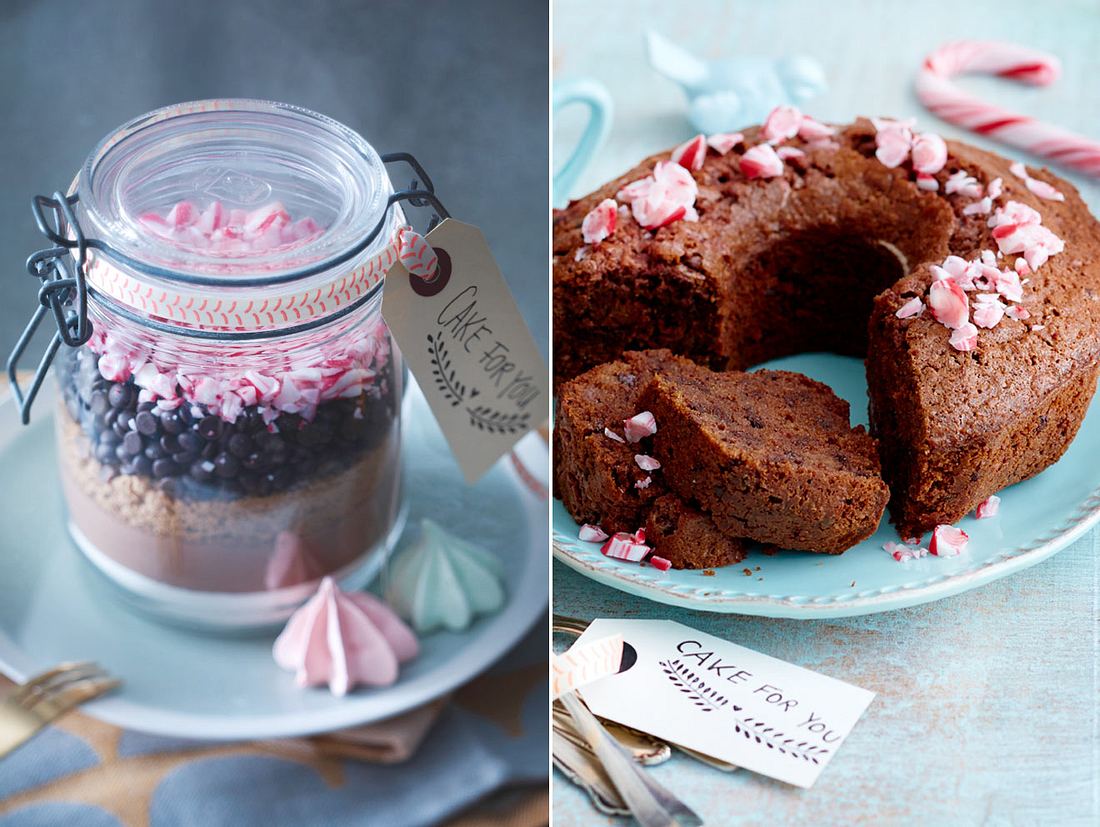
1037,518
55,607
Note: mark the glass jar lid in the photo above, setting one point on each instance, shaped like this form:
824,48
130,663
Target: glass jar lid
223,190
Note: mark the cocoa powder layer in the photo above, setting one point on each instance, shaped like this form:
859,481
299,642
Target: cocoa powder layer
230,545
821,258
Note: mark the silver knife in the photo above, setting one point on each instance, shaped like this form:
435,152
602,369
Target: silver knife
584,770
650,803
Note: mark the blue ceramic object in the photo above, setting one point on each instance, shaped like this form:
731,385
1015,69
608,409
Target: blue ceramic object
1037,518
731,93
595,97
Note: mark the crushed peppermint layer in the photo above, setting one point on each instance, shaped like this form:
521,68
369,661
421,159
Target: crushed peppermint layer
988,507
296,386
600,221
948,541
639,426
1017,228
218,229
761,161
591,534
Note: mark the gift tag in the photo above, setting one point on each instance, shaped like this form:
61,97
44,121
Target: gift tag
724,700
466,343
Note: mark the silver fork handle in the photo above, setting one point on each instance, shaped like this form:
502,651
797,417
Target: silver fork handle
651,804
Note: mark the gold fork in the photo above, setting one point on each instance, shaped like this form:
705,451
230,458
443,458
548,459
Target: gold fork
45,698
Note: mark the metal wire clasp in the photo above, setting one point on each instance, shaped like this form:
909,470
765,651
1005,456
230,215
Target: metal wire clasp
61,274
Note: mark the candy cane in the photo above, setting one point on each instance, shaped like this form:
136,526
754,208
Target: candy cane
936,91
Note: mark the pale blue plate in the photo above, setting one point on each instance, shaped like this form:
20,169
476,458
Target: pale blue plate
1037,518
55,607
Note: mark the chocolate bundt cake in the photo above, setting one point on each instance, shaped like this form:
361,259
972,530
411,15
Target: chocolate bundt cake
597,475
768,455
970,284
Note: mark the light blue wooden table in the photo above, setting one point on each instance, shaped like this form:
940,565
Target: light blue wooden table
987,702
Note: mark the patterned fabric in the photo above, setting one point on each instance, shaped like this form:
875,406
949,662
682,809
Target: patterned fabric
491,737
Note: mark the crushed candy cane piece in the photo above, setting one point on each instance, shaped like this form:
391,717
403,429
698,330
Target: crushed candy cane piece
639,426
902,553
913,307
761,162
667,195
988,507
963,184
786,153
623,546
690,154
927,182
723,142
607,432
912,541
811,130
641,485
1014,311
964,338
948,303
660,563
600,221
591,534
988,310
1037,327
981,207
929,153
893,141
647,463
782,123
948,541
1017,228
1035,185
994,188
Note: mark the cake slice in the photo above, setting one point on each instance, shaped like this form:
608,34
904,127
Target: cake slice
769,455
599,480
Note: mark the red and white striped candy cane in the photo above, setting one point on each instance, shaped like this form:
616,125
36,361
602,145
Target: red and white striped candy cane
939,94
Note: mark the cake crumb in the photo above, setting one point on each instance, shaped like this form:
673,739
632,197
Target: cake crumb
757,568
708,572
770,549
747,572
853,584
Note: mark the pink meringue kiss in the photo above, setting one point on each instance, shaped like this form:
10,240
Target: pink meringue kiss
344,639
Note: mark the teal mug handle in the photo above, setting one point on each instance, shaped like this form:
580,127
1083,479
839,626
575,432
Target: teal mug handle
600,109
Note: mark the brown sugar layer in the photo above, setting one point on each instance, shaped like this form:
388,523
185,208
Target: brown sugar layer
769,455
822,257
598,479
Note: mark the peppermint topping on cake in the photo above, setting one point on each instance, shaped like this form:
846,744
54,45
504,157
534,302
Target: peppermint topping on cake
962,183
988,507
607,432
639,426
666,196
690,154
948,541
641,485
913,307
988,310
600,221
786,153
782,123
660,563
948,303
1034,185
646,463
591,534
1017,228
929,153
723,142
761,162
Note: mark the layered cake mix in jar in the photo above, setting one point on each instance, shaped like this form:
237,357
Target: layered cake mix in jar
230,432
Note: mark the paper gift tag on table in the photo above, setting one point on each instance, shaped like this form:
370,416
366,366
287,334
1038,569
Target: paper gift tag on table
724,700
467,345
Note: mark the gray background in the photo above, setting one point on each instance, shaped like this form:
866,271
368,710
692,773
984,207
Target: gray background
461,85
